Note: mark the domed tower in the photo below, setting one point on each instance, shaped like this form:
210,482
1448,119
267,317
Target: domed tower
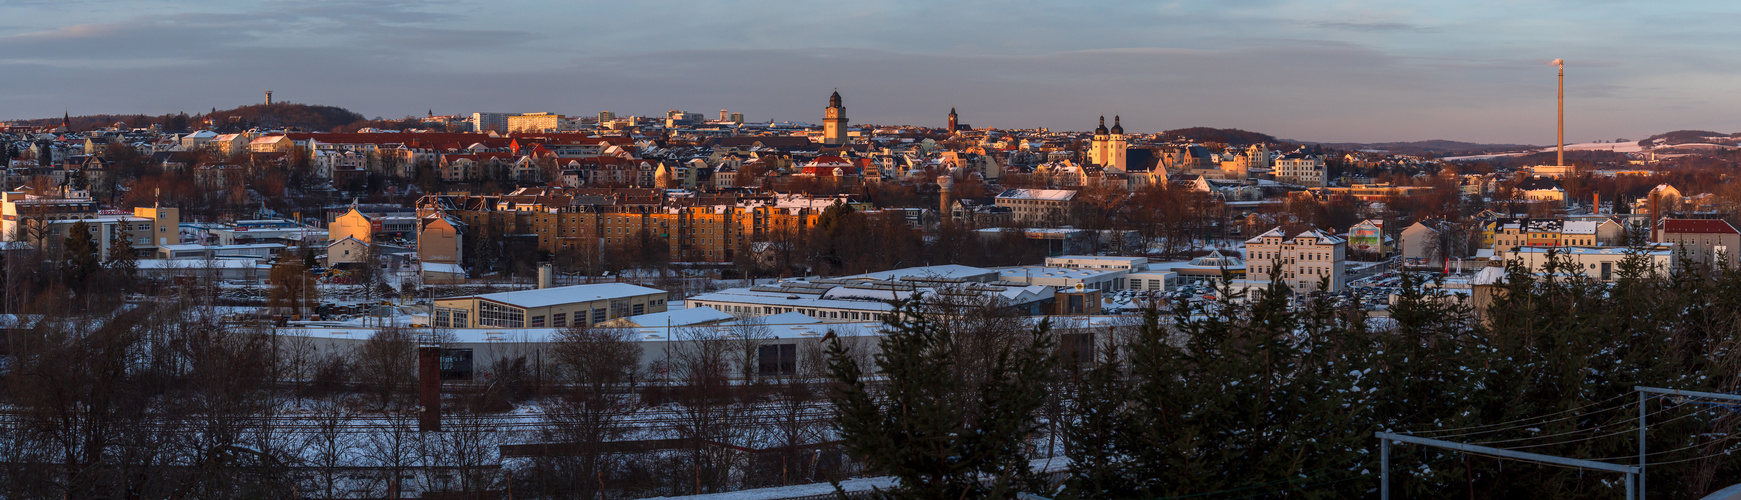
1117,129
834,122
1101,130
954,125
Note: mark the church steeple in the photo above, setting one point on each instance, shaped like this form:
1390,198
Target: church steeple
1101,130
953,124
1116,128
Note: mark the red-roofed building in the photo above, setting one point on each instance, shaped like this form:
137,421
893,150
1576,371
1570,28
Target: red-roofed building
830,166
1705,241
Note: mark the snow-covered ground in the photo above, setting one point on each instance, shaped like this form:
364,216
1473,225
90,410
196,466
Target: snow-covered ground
1040,466
1618,147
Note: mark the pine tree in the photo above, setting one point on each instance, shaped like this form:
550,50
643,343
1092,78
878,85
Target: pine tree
942,441
81,255
122,265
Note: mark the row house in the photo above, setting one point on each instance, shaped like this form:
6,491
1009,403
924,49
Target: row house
705,228
1508,234
475,167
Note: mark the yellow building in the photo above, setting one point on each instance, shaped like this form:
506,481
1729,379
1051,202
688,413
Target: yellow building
352,224
537,122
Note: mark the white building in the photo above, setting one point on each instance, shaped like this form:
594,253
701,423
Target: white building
1304,259
1599,263
1300,168
1098,262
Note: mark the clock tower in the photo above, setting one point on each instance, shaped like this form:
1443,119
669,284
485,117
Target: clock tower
834,122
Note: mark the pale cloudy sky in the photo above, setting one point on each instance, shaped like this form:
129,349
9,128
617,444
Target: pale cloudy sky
1471,70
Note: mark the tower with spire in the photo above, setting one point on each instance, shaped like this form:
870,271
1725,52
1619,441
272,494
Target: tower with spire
954,124
834,121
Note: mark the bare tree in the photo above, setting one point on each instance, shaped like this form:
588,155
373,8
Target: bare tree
598,368
329,447
386,365
706,411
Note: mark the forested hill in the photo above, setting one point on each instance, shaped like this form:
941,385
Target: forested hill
1221,135
312,117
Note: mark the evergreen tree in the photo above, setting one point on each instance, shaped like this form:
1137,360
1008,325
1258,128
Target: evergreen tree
81,255
122,265
941,441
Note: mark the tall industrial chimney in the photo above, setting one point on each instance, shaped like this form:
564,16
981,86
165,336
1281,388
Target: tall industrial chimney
1561,138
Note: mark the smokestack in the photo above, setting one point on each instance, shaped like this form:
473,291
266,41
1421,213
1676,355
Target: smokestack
545,275
1561,137
1596,204
429,388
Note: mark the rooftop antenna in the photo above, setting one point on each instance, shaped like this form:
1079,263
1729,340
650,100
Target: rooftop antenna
1561,138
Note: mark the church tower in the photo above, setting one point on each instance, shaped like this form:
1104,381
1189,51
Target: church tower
954,125
1107,147
834,122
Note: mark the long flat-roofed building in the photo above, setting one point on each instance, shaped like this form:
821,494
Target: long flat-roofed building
582,305
868,297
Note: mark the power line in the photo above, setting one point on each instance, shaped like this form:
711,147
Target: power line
1528,419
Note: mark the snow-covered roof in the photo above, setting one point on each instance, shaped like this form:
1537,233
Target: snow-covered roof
1579,227
1273,233
565,294
680,317
442,267
946,271
1038,194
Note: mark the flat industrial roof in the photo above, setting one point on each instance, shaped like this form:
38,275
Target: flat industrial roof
564,294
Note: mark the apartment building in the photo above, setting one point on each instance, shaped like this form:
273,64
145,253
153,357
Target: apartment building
1301,261
45,222
1039,206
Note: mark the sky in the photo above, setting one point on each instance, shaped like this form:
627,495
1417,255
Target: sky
1326,71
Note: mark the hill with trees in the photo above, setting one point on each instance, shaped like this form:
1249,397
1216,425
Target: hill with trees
1221,135
1689,137
277,115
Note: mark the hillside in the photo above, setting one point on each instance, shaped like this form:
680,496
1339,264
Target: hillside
303,116
280,115
1221,135
1679,137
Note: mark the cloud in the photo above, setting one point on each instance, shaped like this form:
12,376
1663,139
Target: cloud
1372,26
